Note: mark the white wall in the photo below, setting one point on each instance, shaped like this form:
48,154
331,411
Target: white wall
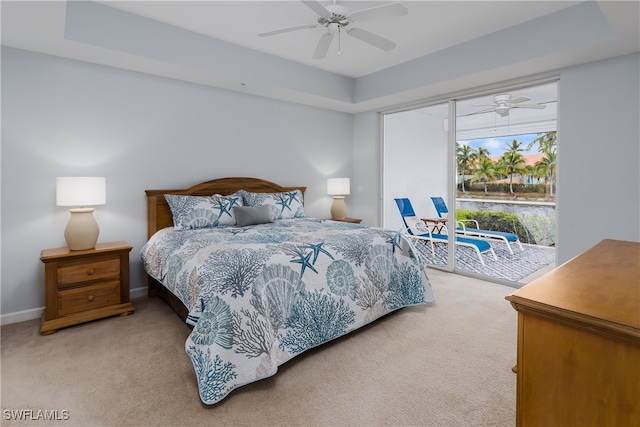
598,154
68,118
416,163
365,182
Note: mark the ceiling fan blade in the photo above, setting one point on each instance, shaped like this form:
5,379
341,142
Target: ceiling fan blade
323,46
537,106
372,39
288,29
317,7
520,99
487,110
384,11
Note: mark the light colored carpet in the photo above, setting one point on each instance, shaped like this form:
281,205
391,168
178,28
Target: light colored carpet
444,364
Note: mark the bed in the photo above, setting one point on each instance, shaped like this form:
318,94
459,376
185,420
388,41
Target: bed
260,282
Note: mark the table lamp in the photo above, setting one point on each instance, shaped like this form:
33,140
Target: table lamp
82,230
338,188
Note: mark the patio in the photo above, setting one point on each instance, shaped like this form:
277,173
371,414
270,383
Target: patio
522,266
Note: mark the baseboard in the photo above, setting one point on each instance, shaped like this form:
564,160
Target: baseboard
21,316
138,292
36,313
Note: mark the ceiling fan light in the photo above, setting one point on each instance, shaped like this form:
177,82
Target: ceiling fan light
503,110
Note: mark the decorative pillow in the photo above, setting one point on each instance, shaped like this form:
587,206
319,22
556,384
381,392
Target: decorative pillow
191,212
224,206
246,215
283,205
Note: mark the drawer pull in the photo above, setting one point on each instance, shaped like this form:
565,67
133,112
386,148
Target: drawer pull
90,298
90,271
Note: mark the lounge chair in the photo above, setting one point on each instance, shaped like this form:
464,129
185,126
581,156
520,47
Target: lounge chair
415,228
507,238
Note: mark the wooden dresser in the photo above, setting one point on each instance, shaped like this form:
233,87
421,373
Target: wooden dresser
85,285
578,360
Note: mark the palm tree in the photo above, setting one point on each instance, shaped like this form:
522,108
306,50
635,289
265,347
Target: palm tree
512,162
484,172
547,144
547,167
483,153
514,147
466,156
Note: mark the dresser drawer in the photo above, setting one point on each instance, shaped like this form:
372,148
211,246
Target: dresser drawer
88,297
84,271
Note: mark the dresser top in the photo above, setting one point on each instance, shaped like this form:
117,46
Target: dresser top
602,283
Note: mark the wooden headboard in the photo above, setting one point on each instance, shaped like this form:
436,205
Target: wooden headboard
159,214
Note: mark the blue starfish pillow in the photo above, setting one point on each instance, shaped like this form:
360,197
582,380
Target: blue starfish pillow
287,204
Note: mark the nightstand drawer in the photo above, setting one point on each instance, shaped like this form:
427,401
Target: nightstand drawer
78,272
88,297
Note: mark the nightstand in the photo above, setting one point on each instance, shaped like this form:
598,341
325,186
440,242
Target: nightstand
86,285
351,220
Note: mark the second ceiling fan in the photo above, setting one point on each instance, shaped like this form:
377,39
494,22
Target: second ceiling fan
337,18
503,103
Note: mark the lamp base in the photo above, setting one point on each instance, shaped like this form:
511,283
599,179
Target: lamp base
82,230
338,209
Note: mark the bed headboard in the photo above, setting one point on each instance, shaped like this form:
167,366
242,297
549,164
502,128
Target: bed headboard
159,214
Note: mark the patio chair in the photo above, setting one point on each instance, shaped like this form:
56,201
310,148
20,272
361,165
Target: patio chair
415,228
507,238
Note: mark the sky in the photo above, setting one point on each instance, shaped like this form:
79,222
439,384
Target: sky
497,145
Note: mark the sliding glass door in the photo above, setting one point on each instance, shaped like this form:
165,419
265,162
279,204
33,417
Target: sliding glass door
492,165
506,149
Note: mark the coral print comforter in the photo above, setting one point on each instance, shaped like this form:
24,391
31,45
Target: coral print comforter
260,295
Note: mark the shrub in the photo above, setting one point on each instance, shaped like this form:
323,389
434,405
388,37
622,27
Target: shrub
503,187
498,221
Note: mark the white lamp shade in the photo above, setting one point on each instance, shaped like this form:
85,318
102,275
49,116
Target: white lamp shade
338,186
80,191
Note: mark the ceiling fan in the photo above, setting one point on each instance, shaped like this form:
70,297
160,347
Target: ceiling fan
337,18
503,104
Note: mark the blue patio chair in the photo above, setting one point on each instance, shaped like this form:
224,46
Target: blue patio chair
415,228
507,238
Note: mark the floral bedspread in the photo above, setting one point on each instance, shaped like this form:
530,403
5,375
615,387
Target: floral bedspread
260,295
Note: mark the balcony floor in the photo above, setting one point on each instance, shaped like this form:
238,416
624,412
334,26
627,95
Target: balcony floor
522,266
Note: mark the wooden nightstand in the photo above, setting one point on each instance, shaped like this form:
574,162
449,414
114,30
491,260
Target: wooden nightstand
351,220
85,285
